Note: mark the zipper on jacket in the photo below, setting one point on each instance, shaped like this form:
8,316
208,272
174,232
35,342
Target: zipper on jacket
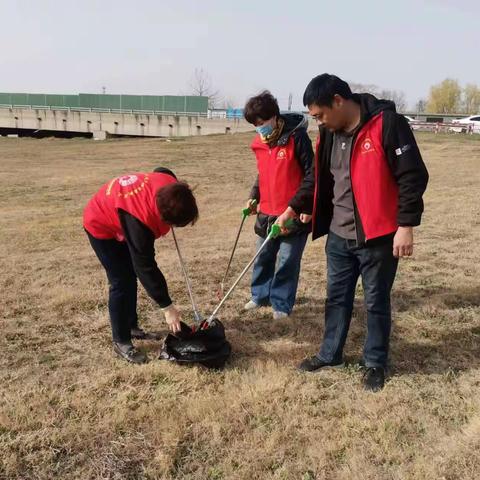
269,167
355,210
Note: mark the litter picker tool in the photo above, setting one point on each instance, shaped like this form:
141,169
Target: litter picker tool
206,343
274,232
246,212
197,316
196,345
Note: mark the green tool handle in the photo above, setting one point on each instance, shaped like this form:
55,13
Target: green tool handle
248,211
276,230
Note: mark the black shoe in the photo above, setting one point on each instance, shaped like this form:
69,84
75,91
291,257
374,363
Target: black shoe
374,379
314,363
140,334
129,353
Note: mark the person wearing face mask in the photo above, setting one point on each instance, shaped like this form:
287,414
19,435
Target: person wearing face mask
284,156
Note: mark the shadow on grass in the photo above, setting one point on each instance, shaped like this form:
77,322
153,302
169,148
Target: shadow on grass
449,298
455,350
438,347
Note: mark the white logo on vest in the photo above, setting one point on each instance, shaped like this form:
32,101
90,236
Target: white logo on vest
127,180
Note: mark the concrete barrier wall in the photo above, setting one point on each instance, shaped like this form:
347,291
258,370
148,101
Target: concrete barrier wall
103,124
118,123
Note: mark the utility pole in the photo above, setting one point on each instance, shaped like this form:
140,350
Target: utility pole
290,99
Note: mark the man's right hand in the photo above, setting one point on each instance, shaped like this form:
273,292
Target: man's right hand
173,318
305,217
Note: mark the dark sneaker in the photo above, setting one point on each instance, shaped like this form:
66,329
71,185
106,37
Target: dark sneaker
140,334
128,352
374,379
314,363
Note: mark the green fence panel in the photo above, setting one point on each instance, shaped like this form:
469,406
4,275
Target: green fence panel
88,100
131,102
174,103
147,102
109,101
55,100
150,102
72,101
37,99
5,98
163,103
197,104
20,99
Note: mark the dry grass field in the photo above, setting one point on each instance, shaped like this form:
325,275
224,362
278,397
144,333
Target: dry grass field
70,410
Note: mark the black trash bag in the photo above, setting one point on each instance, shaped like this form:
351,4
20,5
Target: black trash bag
208,346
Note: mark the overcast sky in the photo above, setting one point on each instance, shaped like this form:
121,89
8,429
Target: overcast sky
153,46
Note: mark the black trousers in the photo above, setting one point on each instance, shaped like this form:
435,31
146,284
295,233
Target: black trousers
122,298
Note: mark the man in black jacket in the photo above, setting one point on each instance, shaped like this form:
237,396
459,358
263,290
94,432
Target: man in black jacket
366,192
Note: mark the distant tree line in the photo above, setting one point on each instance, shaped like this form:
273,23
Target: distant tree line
446,97
449,97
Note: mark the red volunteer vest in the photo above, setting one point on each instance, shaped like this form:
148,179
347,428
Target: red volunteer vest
373,185
279,175
134,193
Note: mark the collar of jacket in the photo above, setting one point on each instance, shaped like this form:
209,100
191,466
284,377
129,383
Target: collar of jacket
370,106
293,122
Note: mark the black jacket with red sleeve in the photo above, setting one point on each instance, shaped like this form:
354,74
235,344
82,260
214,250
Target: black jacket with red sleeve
141,245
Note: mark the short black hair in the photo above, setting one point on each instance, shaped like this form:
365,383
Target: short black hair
263,106
177,204
165,170
321,90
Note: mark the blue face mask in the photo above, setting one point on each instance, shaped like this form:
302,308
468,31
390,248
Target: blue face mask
264,130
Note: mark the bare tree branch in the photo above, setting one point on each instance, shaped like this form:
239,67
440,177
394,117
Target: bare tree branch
396,96
421,105
201,85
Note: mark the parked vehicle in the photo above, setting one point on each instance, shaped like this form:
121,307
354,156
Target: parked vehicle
466,125
412,122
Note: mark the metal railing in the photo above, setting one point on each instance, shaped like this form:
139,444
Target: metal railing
106,110
449,127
